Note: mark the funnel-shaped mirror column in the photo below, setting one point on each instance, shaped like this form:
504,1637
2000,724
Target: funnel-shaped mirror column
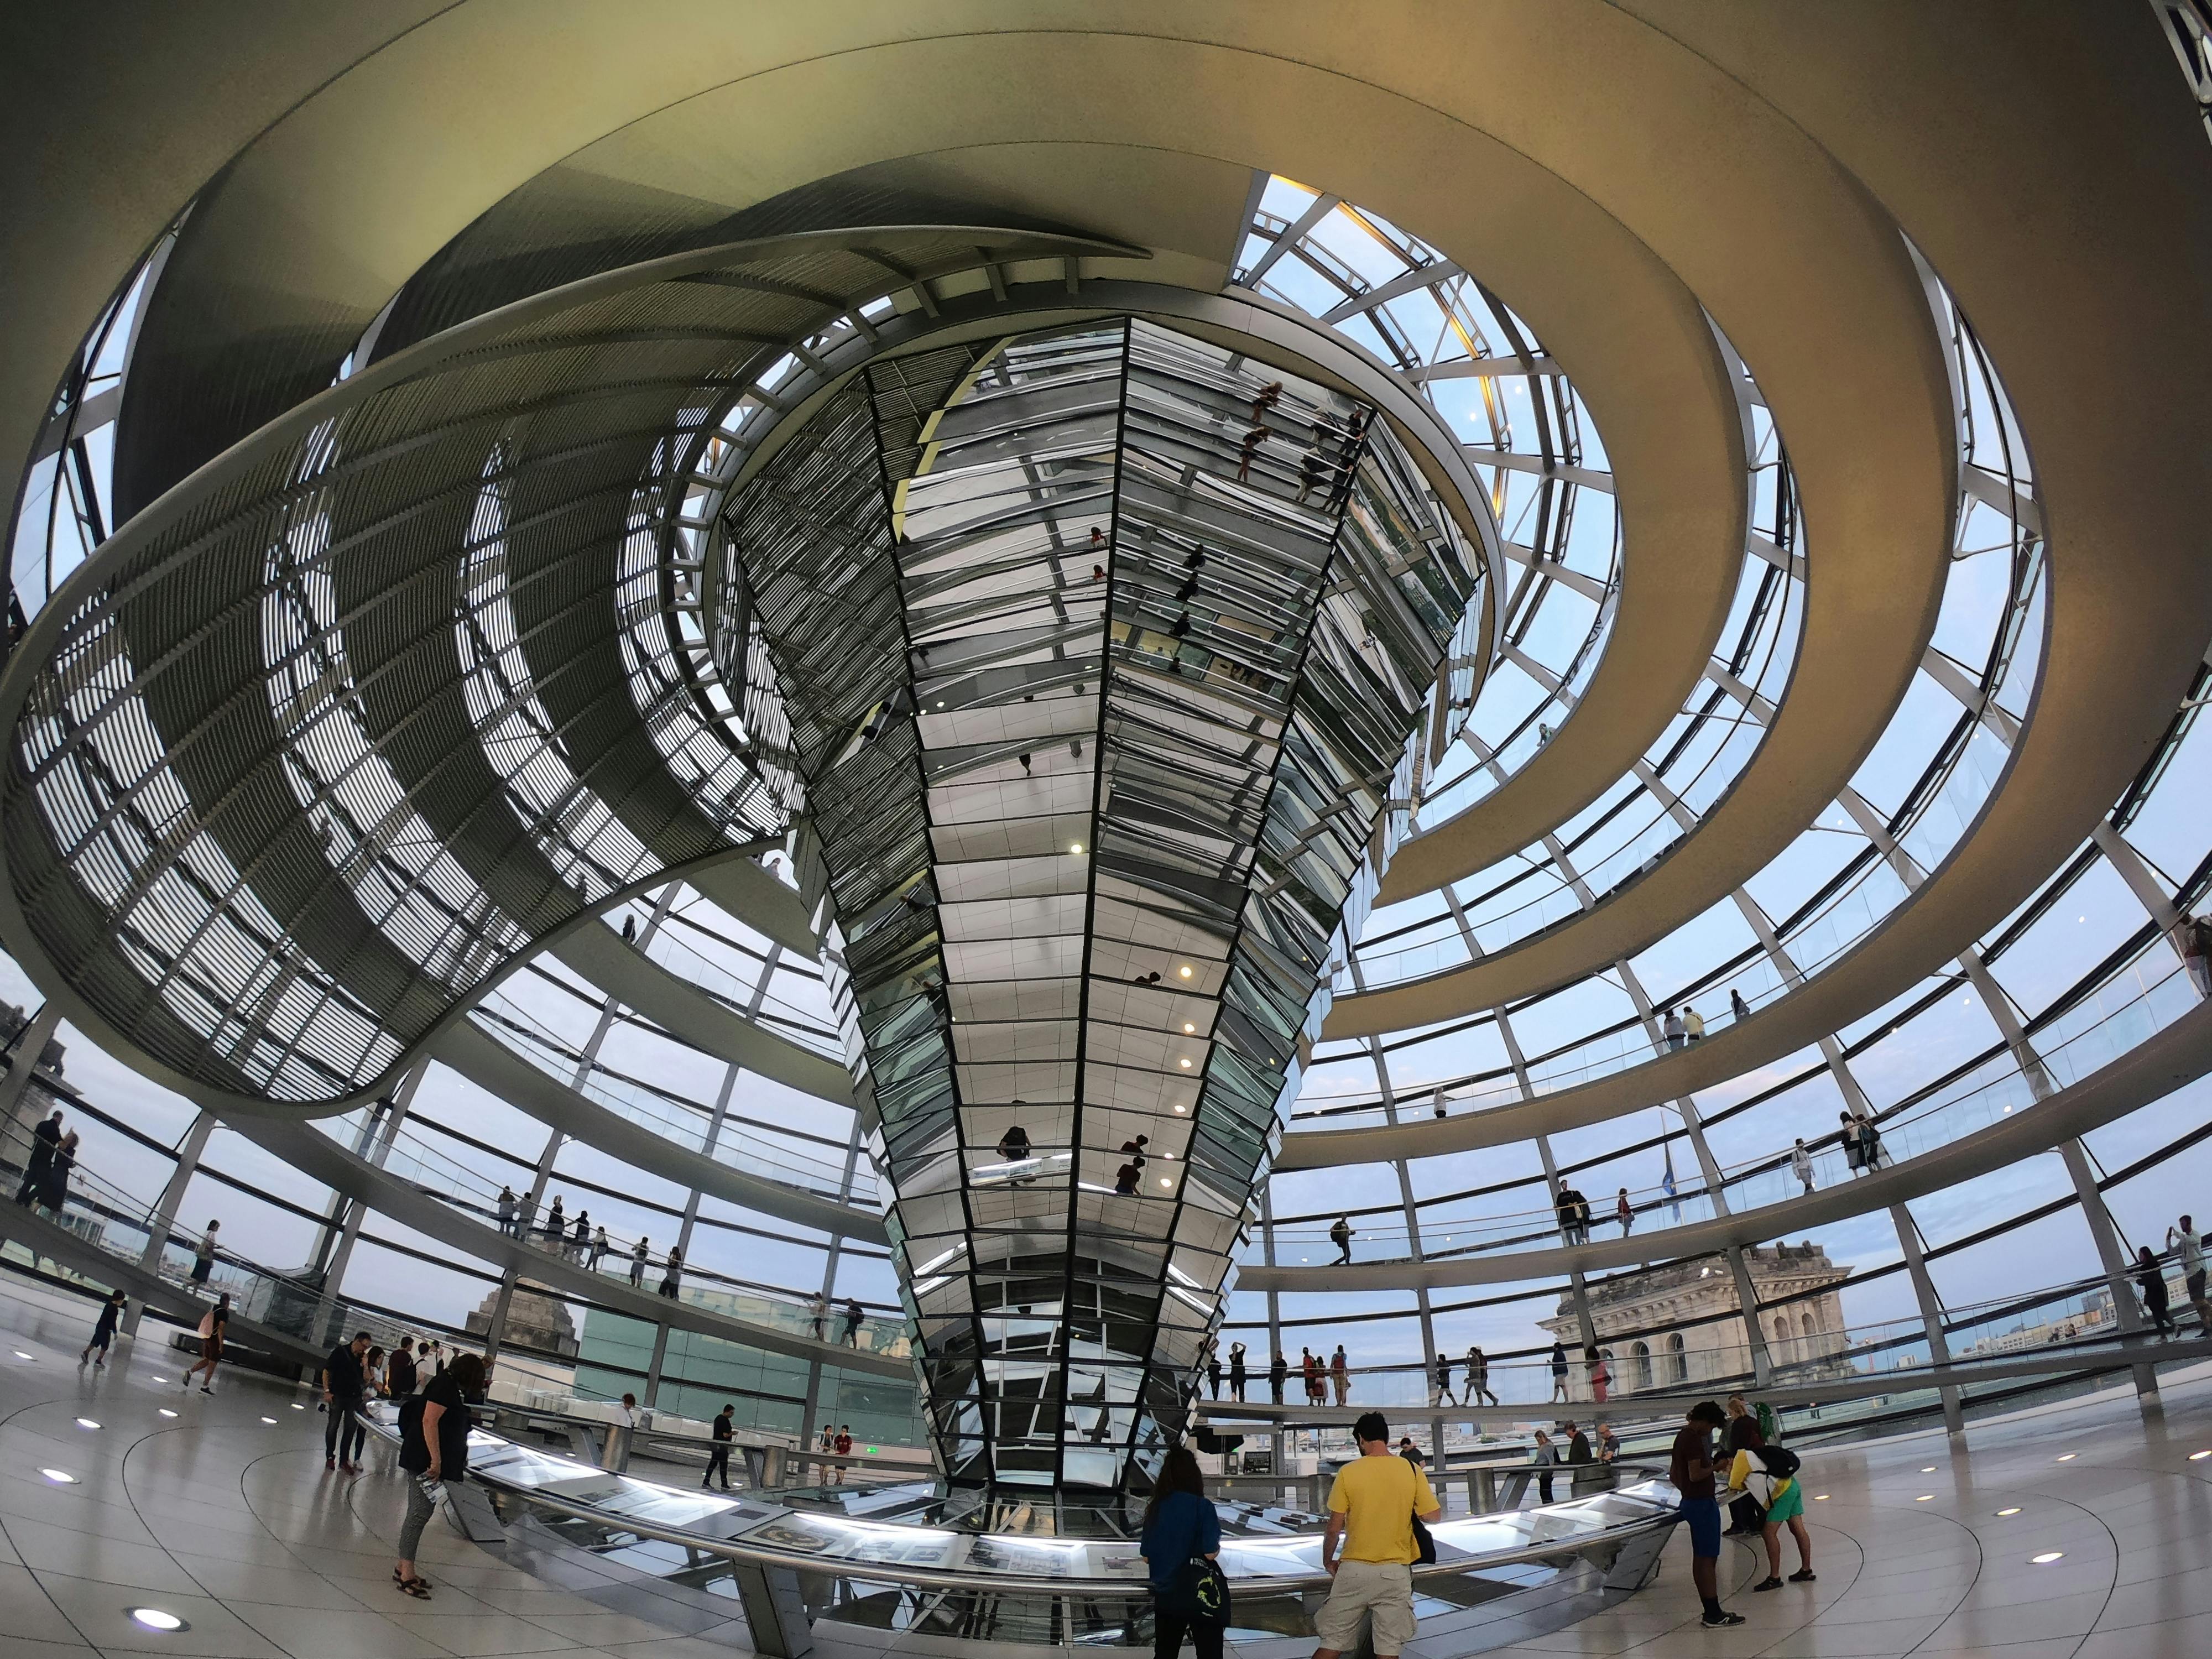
1099,651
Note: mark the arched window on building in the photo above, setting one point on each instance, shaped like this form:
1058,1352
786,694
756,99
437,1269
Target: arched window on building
1642,1375
1810,1331
1678,1358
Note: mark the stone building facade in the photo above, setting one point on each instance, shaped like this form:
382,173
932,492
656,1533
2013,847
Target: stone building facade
1648,1330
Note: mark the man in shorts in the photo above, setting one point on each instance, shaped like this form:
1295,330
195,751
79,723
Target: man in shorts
1691,1469
1370,1510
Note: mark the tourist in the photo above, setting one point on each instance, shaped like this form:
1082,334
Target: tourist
724,1430
817,1315
1737,1006
1371,1508
203,1253
1767,1477
1745,1433
1568,1211
45,1136
671,1273
1672,1028
1624,1212
1279,1372
434,1356
111,1315
1801,1164
507,1211
1237,1371
215,1324
1578,1445
400,1372
53,1185
1854,1149
1694,1025
1560,1371
843,1444
556,1224
1181,1532
1478,1377
1608,1444
1339,1376
599,1249
1443,1394
2191,1250
1213,1373
1125,1180
637,1259
1600,1374
433,1447
1340,1235
854,1315
525,1211
1691,1470
1410,1452
1870,1150
1014,1145
2150,1280
1310,1368
344,1383
579,1236
1546,1457
372,1372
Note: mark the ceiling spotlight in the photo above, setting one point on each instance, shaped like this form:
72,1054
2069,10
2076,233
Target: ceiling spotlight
1165,1181
1076,848
86,1423
2048,1557
1185,1064
156,1619
1189,1029
1184,971
1179,1107
2014,1510
59,1477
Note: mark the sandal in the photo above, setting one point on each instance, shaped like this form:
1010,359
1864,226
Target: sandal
1767,1585
1806,1576
419,1579
417,1588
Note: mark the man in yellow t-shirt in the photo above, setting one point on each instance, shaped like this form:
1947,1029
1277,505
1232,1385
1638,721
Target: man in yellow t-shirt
1370,1511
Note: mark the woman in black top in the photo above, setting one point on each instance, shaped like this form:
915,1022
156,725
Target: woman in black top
433,1447
2150,1280
53,1185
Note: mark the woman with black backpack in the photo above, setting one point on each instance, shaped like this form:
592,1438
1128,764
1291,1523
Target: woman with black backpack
1181,1542
433,1447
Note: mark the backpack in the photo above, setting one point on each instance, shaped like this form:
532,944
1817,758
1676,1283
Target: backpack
1781,1462
410,1436
1769,1426
1200,1592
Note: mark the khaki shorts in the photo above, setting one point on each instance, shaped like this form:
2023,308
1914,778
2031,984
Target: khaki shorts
1384,1589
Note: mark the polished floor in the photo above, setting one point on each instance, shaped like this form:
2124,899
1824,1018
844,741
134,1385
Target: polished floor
223,1516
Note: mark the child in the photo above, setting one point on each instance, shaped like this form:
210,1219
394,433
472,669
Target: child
111,1315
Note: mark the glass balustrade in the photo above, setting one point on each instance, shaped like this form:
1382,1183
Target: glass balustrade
2145,995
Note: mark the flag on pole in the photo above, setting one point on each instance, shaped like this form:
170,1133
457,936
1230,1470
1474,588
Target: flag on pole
1667,1185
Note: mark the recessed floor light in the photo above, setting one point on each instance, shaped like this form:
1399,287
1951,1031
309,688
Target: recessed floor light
164,1411
1820,1497
86,1422
1930,1469
2014,1510
20,1354
2068,1457
297,1407
2047,1558
161,1379
156,1619
1925,1497
268,1419
2198,1457
59,1477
